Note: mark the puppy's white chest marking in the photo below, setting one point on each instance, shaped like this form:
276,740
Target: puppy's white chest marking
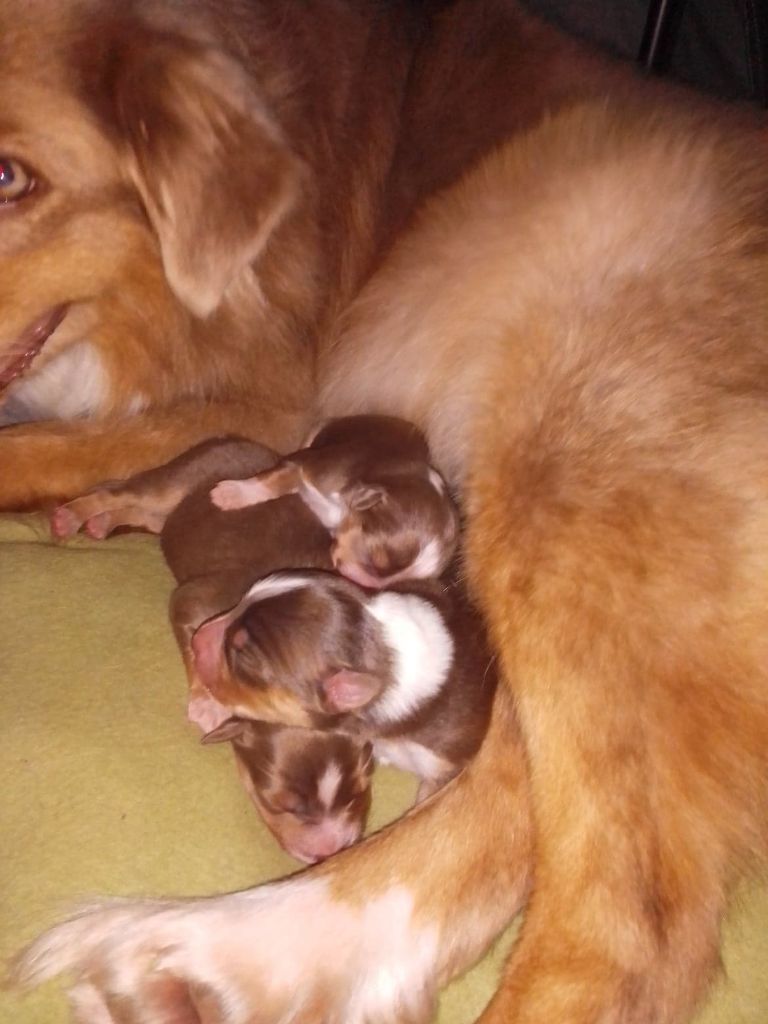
422,650
410,756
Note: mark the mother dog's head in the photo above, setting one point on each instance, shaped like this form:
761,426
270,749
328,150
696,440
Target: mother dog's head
140,176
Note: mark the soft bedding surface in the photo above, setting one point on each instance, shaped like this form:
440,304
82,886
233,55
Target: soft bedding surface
104,788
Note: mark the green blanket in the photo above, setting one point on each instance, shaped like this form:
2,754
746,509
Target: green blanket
105,789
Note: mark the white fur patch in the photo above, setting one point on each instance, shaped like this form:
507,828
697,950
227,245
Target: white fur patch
422,649
427,562
437,481
329,508
286,947
410,756
328,784
273,585
71,384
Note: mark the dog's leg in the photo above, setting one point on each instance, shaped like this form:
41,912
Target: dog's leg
632,607
53,462
369,935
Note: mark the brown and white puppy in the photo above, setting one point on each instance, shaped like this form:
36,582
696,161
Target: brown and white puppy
214,556
312,787
369,481
409,665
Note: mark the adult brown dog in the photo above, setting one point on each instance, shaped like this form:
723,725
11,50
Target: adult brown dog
190,192
582,328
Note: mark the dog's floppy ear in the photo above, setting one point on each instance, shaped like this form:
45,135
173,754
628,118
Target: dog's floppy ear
206,155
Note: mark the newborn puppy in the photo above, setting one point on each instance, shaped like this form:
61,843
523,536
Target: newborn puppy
408,666
311,787
215,556
368,480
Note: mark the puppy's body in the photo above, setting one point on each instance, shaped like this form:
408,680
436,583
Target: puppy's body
214,555
312,787
368,480
408,666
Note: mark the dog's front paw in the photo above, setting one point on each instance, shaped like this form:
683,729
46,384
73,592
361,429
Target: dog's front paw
291,951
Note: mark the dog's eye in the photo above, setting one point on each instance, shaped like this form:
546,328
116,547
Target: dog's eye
15,180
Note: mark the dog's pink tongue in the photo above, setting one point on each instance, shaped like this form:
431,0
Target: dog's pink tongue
208,651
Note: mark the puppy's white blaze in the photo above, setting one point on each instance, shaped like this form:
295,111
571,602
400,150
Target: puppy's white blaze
71,384
328,785
271,586
329,508
427,562
411,757
422,649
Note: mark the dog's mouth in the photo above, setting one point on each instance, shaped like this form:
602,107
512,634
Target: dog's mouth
19,357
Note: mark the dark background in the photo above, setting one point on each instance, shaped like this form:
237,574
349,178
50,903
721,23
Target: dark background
720,46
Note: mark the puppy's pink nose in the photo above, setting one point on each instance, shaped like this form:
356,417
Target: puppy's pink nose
324,840
360,574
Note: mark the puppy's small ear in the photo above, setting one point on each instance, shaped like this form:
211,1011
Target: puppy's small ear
361,497
211,165
346,691
229,730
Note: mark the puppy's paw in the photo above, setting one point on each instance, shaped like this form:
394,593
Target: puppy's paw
99,526
64,522
68,519
291,951
233,494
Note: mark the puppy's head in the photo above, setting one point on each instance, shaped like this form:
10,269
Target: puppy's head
141,174
301,647
311,787
397,528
